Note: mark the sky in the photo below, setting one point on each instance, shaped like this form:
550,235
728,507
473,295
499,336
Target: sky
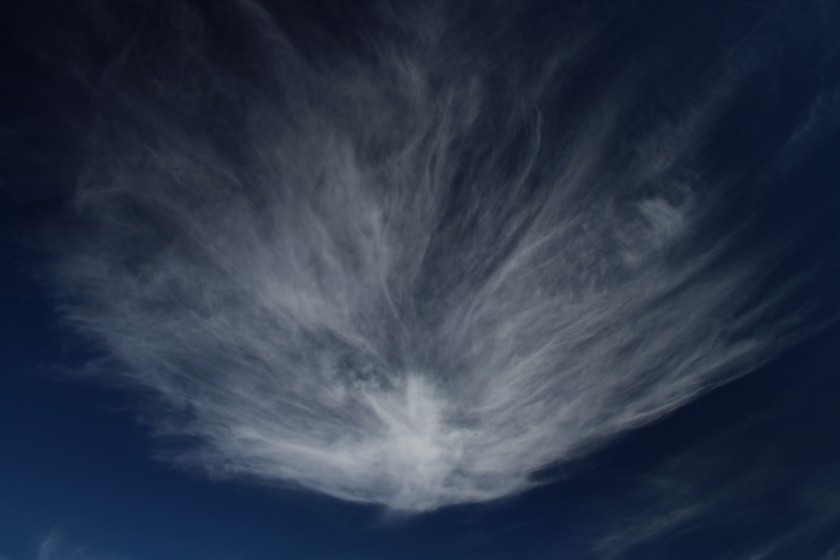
375,280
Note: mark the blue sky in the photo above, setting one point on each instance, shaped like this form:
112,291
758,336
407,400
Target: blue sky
343,281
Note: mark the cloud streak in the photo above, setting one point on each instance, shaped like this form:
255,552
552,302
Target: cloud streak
387,278
56,547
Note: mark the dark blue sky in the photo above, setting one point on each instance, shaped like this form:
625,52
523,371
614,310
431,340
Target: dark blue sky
681,159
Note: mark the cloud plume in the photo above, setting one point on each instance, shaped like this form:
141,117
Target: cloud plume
400,274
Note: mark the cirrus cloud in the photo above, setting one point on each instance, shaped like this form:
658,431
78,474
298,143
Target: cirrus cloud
392,280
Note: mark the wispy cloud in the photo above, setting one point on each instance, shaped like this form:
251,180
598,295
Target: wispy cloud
743,481
56,546
832,554
389,281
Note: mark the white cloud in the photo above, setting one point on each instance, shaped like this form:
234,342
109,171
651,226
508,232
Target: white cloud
55,547
344,282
